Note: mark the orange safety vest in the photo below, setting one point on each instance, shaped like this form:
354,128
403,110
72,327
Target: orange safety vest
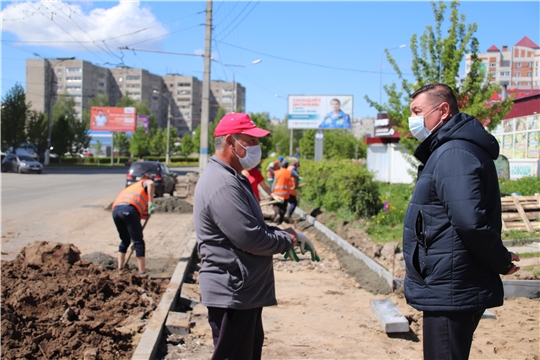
283,183
292,191
135,195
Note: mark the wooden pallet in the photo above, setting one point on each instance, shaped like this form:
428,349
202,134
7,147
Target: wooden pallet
521,212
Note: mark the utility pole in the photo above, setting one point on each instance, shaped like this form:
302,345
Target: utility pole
49,79
205,111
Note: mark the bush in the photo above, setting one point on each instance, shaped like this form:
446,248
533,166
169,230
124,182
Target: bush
342,187
526,186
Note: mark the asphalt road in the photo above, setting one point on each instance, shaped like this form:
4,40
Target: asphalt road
54,205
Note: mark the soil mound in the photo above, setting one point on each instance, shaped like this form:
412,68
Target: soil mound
172,204
57,306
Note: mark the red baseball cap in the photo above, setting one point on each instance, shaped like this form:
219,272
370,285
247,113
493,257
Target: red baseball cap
238,123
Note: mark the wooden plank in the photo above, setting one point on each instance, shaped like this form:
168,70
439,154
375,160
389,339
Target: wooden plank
389,316
522,213
521,226
511,216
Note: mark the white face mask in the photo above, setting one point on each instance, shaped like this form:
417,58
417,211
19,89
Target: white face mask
252,158
418,128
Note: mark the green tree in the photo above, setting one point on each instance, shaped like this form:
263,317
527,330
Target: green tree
307,144
187,146
76,134
36,130
61,135
14,113
121,142
140,143
337,144
158,142
436,59
262,120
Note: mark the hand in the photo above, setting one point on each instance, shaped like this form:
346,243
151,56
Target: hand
294,236
151,208
513,268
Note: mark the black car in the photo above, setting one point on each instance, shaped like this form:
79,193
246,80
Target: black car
164,179
21,164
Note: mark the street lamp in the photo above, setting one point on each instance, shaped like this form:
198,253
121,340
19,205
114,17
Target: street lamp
240,67
382,57
168,123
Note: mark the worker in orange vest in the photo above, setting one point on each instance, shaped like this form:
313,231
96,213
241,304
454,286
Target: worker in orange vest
293,200
282,187
134,203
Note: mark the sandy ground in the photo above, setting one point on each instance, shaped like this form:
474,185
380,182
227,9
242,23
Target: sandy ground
324,307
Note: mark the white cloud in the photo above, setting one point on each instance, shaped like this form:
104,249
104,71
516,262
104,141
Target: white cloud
61,25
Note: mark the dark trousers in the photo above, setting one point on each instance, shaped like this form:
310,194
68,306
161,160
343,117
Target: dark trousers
280,210
127,221
292,204
448,335
237,334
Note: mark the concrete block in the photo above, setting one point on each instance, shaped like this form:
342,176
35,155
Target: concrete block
178,323
189,295
389,316
488,315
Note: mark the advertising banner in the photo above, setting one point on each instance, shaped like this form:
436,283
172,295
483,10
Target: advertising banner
143,120
113,119
320,111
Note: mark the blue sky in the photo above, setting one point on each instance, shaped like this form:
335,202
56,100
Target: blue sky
312,48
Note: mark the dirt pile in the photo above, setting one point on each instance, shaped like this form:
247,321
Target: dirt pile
172,204
55,305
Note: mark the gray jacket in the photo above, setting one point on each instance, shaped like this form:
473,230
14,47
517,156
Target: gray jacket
235,243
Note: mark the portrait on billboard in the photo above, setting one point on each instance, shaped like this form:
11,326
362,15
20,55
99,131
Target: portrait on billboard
113,119
320,111
336,118
100,119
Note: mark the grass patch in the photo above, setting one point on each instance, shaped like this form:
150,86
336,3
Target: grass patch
528,255
517,235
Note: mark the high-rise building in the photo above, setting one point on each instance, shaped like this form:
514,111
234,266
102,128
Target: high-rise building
79,79
516,67
229,96
46,79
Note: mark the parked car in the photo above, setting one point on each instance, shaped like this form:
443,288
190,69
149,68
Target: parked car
164,179
21,164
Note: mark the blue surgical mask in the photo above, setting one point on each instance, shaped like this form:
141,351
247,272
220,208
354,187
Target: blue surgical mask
418,128
252,158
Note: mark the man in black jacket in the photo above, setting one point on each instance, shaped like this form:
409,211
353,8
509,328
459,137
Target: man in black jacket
452,236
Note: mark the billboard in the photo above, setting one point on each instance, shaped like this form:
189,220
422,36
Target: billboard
143,120
320,111
114,119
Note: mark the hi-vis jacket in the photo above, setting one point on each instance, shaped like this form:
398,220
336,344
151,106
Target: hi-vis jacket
136,196
283,183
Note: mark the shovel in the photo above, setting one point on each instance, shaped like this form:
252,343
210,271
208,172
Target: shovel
133,246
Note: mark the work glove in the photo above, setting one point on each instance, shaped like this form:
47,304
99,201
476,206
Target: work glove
305,244
291,255
151,208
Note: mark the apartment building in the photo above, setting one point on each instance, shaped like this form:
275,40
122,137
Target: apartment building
361,127
79,79
46,79
516,67
230,96
186,95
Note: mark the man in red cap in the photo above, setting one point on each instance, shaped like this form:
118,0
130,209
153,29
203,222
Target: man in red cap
236,245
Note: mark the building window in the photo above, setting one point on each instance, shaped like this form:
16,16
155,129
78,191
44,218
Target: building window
529,64
184,84
73,78
74,70
505,63
226,90
133,77
183,99
184,92
133,85
59,88
59,71
73,87
505,73
529,74
492,64
77,103
518,64
101,84
518,74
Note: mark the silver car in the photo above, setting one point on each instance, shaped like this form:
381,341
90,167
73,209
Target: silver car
21,164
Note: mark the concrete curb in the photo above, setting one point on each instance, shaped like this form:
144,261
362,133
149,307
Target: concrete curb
147,347
512,288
